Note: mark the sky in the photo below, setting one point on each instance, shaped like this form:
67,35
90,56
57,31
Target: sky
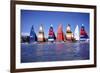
46,18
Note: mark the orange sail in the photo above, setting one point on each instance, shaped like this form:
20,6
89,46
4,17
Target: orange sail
60,35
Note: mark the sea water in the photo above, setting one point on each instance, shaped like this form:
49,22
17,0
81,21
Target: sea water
64,51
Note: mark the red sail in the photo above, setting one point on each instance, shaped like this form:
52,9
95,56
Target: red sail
83,34
82,31
60,35
51,35
51,31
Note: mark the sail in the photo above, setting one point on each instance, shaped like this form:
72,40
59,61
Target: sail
41,37
51,35
83,33
33,36
60,35
68,33
76,33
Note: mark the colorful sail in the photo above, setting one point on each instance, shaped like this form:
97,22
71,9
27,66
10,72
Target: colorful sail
68,33
51,35
60,34
83,34
33,36
76,33
41,37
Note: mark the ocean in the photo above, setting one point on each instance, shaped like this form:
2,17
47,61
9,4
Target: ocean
46,52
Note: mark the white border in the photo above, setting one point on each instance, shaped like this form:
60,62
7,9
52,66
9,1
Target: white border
58,63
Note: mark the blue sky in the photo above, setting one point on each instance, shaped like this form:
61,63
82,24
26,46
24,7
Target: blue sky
36,18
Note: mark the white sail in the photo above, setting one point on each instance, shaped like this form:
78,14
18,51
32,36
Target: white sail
76,33
41,28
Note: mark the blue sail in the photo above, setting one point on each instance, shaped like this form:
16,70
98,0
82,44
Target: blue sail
33,36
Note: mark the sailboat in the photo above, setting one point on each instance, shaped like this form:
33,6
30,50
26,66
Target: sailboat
76,33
